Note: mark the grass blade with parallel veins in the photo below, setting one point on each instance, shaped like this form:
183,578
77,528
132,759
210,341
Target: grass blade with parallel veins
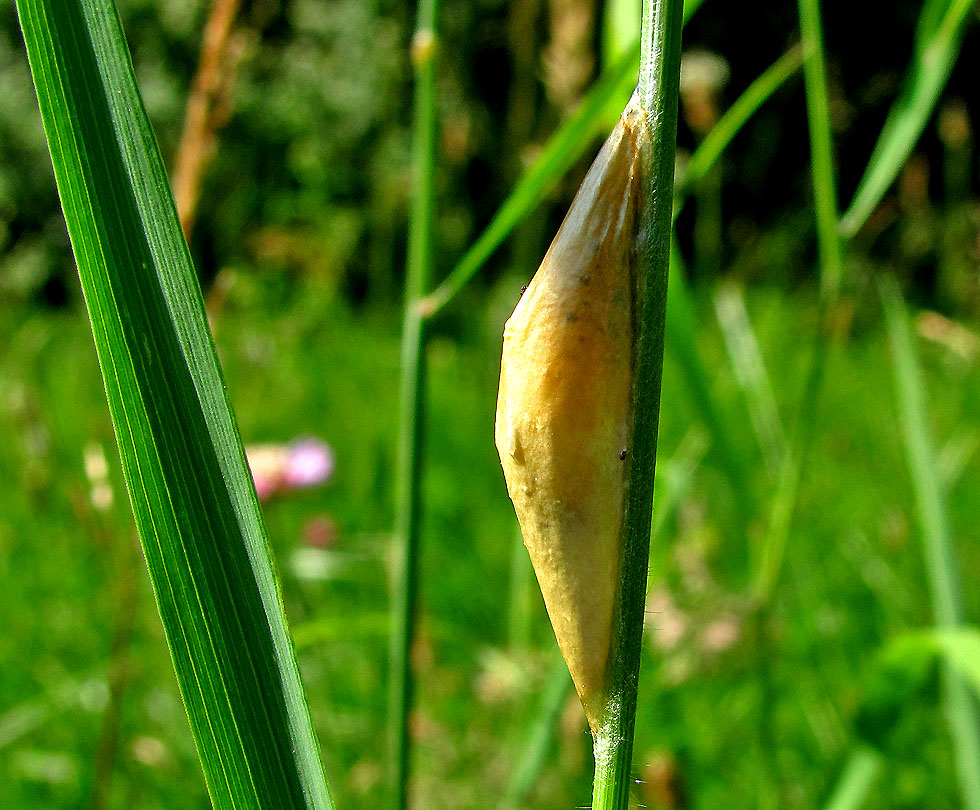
939,37
191,492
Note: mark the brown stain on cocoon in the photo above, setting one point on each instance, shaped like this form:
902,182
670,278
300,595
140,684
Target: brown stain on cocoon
563,410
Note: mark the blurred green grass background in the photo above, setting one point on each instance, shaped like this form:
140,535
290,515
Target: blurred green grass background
299,242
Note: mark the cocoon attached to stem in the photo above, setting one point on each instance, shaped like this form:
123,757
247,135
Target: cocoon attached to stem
564,409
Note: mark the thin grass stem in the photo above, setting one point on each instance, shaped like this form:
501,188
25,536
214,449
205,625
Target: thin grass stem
657,92
938,39
411,416
821,148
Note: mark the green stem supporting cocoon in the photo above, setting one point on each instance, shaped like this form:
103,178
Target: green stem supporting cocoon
657,93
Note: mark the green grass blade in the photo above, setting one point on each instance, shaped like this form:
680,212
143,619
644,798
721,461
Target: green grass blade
783,505
939,37
195,506
930,18
961,709
821,148
565,146
931,510
859,776
538,740
750,372
620,29
735,117
681,330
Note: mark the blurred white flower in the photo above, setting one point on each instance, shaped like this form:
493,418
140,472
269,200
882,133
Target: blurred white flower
97,472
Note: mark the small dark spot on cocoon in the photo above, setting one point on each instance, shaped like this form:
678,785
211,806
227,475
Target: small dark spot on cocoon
622,454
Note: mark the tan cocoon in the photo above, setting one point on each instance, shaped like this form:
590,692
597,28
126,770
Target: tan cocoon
563,411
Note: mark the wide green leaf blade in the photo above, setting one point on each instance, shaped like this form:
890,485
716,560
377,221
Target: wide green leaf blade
939,36
194,502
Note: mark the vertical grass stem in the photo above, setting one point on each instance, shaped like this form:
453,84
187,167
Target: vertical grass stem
821,148
657,91
411,416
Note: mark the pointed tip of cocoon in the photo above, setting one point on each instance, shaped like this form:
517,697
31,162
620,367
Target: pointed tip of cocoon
564,409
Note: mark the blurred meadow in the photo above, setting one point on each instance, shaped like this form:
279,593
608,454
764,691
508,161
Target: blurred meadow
800,528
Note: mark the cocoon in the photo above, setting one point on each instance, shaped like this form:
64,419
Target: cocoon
564,407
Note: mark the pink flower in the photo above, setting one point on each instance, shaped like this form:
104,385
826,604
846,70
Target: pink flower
301,464
308,462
